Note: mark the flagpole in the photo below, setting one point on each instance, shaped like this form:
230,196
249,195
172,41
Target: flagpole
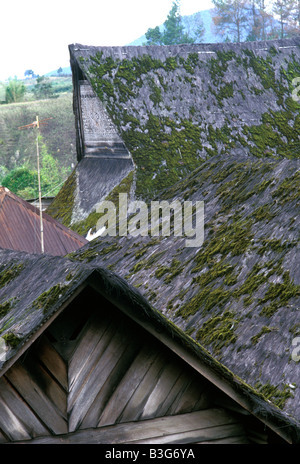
39,181
37,123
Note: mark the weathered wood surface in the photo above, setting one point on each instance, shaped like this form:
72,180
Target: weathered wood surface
99,132
96,375
196,427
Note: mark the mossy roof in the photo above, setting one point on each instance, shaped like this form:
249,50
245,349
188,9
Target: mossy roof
39,286
176,106
237,294
214,122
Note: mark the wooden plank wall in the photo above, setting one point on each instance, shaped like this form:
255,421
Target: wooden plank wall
93,369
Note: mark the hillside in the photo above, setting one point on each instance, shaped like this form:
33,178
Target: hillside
205,18
18,148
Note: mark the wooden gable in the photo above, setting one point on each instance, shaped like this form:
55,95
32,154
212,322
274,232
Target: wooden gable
96,376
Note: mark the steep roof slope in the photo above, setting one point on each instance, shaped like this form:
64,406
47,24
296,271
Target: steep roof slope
218,123
176,106
36,289
20,228
238,294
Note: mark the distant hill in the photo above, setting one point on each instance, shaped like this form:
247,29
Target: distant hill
190,21
65,71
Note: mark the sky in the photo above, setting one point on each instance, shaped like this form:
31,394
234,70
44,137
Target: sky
36,34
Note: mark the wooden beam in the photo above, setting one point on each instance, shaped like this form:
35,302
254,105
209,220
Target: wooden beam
195,427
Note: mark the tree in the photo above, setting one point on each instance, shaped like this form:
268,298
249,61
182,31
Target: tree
231,18
15,91
60,70
173,28
194,27
296,14
29,73
22,181
284,10
262,21
52,174
43,88
173,32
154,36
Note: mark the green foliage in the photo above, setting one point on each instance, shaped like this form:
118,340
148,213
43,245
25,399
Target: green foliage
23,181
52,174
15,91
173,30
154,36
43,88
19,147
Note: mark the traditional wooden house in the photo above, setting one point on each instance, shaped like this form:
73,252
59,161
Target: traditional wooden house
20,228
85,359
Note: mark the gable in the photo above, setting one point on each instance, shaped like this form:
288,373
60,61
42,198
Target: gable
95,375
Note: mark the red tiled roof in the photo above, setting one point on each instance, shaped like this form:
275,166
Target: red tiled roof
20,228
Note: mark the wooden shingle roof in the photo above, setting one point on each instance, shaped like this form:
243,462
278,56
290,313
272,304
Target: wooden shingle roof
38,289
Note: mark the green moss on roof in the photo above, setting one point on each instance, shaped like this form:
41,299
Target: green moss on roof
12,339
218,331
277,135
4,308
289,189
90,222
262,332
9,273
49,298
62,206
274,393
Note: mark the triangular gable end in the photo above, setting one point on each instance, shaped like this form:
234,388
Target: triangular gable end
95,374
